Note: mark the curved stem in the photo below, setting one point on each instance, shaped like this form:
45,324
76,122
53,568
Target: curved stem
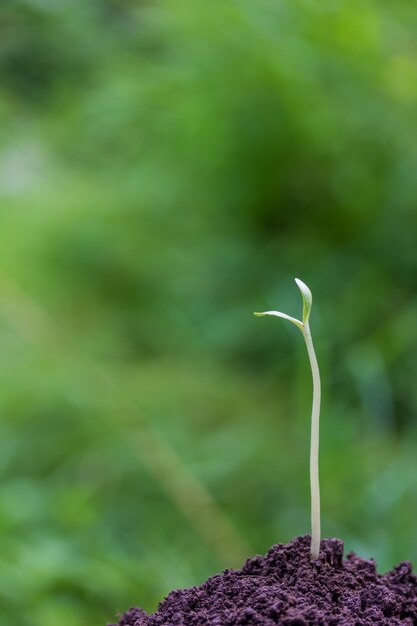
314,445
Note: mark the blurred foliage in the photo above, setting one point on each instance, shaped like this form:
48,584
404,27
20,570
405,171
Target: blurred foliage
167,168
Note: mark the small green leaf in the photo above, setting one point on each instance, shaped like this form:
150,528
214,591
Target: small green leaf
307,299
284,316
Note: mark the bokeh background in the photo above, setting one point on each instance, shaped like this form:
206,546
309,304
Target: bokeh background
167,167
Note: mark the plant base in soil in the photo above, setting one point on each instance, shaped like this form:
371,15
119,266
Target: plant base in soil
287,588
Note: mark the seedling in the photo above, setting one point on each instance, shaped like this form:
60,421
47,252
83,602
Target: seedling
315,412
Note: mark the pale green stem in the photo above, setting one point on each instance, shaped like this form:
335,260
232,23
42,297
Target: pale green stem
314,445
315,413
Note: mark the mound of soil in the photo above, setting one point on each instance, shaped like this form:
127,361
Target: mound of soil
286,587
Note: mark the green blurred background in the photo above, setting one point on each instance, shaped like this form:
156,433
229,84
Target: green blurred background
166,168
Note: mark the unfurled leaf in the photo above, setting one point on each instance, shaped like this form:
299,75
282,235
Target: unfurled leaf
283,315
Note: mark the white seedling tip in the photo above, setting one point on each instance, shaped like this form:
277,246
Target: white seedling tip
307,299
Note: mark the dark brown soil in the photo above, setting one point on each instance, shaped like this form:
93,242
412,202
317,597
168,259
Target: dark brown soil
286,587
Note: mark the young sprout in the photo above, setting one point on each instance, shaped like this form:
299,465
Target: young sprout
315,413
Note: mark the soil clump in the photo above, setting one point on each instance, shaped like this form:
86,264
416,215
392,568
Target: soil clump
286,588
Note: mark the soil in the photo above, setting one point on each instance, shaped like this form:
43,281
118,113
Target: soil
285,587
